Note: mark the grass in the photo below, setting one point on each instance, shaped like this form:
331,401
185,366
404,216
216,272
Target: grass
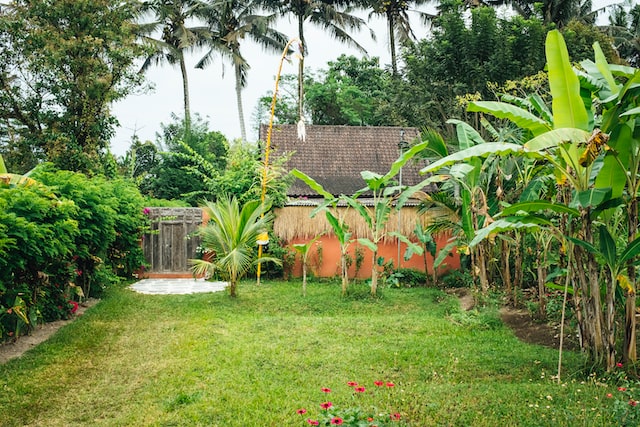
208,360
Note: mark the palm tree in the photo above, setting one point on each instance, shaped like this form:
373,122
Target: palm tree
334,20
230,236
624,27
398,25
229,22
170,17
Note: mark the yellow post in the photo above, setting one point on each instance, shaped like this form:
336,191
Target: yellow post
261,241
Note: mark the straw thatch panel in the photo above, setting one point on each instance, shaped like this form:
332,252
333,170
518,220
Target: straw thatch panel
295,221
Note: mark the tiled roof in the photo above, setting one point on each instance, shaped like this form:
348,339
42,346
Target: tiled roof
335,155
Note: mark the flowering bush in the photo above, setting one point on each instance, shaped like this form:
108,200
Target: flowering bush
354,416
626,410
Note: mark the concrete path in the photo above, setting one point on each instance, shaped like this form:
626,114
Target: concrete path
176,286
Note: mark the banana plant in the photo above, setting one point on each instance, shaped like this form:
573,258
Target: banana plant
383,196
303,249
12,179
570,142
335,218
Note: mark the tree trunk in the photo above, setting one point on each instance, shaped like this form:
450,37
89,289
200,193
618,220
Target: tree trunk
243,132
304,277
374,275
506,267
542,278
232,288
344,271
303,52
629,348
518,272
392,42
185,94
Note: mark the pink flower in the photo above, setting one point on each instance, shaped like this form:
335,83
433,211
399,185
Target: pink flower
301,411
312,422
359,389
336,421
390,384
352,383
619,365
146,211
378,383
633,402
9,310
326,390
609,395
395,417
326,405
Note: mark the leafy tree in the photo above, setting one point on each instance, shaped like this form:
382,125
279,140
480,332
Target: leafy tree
229,22
230,236
351,92
61,65
173,177
170,18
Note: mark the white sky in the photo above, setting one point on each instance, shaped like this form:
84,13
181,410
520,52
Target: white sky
213,96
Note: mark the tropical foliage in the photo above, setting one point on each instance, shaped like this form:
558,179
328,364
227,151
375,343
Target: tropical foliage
230,238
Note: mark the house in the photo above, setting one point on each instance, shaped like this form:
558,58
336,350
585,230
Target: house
334,156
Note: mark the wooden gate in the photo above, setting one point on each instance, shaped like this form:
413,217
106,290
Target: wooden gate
171,243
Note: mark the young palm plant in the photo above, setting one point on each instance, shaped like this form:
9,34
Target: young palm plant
230,236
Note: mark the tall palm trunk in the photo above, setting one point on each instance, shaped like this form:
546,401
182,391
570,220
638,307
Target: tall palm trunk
392,42
303,52
243,131
185,94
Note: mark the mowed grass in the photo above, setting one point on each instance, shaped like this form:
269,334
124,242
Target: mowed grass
209,360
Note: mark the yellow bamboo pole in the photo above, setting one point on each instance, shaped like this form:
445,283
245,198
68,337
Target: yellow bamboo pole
267,147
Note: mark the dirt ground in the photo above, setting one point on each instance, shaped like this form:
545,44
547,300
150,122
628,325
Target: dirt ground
520,321
523,325
11,350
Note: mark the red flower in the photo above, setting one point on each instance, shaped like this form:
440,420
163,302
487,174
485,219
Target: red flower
326,405
369,419
378,383
301,411
336,421
312,422
633,402
622,389
390,384
619,365
359,389
74,307
9,310
326,390
352,383
395,416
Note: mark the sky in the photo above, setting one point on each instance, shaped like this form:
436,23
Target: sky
212,93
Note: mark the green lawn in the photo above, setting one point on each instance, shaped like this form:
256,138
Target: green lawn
136,360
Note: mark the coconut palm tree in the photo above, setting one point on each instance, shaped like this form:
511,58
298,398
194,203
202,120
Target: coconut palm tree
229,22
170,19
328,15
230,236
624,27
398,25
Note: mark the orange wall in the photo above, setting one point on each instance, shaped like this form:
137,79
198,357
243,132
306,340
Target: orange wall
329,266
